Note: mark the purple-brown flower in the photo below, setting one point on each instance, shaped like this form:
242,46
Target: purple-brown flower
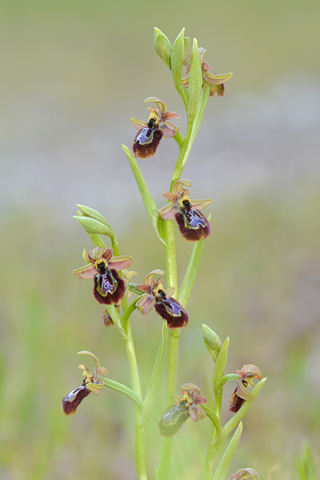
241,393
166,306
103,268
91,383
187,405
192,224
216,82
150,133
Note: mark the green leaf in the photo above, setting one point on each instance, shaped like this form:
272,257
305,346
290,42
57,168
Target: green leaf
177,59
119,387
191,273
224,465
146,196
195,82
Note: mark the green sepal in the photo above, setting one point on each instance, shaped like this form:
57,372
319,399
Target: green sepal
224,465
146,196
195,81
191,273
119,387
94,226
177,59
162,46
220,366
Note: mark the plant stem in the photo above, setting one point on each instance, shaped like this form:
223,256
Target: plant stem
140,440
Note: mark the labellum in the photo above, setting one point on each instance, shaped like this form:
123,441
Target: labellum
171,310
173,419
147,140
71,402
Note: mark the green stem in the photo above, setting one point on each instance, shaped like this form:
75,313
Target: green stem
173,343
140,438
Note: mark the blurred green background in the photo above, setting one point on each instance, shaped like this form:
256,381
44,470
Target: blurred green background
72,75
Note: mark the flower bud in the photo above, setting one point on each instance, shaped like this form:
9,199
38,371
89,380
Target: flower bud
94,226
212,341
162,46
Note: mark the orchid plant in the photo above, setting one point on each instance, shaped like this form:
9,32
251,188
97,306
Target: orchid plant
112,284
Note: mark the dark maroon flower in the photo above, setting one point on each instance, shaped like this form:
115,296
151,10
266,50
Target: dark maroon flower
166,306
108,286
241,393
71,402
192,224
150,133
92,383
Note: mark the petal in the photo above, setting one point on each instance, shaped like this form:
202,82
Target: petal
88,271
214,79
172,197
145,303
168,212
168,115
121,262
138,124
108,254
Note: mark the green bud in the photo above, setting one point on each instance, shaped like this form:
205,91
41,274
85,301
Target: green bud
162,46
90,212
212,341
93,226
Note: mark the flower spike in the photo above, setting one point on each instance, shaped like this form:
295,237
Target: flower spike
192,224
150,133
